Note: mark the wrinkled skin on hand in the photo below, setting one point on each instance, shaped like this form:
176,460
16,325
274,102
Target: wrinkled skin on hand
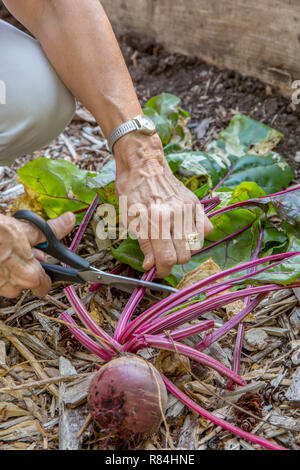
153,193
19,265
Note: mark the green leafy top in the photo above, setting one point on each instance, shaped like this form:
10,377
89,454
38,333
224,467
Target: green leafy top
243,152
245,135
61,186
171,121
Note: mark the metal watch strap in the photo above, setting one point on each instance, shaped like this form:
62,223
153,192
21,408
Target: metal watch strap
120,131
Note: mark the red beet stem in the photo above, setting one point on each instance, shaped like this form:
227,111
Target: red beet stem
88,320
83,226
192,330
237,354
241,328
85,340
216,335
219,421
71,293
167,344
223,240
191,312
131,305
183,295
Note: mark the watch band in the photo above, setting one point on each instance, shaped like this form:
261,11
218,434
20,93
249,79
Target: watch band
120,131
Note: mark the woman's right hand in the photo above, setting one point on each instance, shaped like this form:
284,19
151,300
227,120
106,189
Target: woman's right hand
19,265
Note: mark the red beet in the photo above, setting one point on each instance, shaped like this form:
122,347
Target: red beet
127,397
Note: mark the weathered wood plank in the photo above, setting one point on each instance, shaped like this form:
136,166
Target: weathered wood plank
293,393
260,38
70,420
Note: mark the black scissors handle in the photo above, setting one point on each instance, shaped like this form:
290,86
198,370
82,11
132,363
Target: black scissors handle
53,247
62,274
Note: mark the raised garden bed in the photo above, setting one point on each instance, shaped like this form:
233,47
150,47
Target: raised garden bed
30,413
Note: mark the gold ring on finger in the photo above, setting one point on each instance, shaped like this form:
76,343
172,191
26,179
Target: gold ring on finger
193,239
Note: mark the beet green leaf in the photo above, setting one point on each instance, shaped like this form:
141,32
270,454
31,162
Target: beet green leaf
243,152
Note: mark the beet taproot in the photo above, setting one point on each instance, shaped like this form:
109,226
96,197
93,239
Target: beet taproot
127,397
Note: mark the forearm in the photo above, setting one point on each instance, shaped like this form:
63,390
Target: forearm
79,42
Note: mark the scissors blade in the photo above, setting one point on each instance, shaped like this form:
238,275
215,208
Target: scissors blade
130,289
96,275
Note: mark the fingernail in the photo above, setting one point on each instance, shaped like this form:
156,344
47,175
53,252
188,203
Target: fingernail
68,218
147,262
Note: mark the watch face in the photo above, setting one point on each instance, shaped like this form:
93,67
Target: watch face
147,125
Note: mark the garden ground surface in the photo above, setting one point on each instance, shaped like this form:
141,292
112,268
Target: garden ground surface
31,345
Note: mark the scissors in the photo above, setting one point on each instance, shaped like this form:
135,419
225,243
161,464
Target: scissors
80,270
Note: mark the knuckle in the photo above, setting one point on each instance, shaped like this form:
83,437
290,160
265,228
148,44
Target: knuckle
34,276
158,210
117,188
145,246
184,258
40,292
183,210
199,210
163,213
169,258
178,206
153,209
195,200
12,293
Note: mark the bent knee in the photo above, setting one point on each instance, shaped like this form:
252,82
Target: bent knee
38,106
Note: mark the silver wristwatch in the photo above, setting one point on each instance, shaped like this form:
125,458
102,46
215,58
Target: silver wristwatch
142,124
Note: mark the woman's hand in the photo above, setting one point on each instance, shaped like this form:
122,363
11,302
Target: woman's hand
157,201
19,265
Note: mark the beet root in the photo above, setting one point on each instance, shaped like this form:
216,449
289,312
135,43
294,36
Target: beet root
127,397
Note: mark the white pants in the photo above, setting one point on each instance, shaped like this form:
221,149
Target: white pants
35,106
